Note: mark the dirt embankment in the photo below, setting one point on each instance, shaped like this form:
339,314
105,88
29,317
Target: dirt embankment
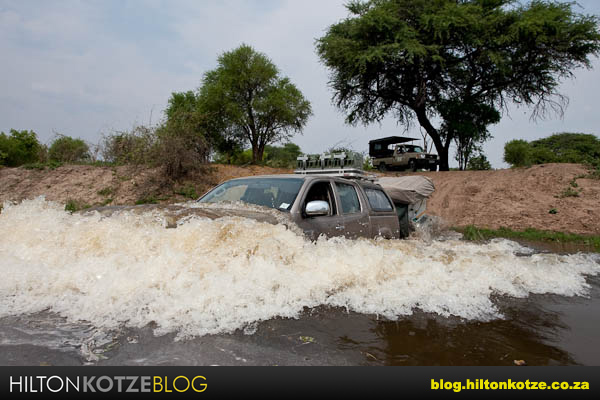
124,185
553,197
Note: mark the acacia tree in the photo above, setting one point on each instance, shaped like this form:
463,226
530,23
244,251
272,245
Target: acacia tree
410,58
245,99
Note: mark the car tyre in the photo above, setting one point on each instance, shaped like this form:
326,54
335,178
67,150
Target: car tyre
382,167
412,165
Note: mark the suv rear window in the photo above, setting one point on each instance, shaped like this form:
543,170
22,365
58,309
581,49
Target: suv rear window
378,200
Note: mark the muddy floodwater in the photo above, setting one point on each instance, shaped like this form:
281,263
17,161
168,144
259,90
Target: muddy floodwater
124,290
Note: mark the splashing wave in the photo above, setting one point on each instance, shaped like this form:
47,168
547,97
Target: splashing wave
213,276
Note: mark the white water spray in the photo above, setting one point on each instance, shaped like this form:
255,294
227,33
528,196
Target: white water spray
213,276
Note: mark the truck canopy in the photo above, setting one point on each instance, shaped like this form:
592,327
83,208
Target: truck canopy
379,147
407,189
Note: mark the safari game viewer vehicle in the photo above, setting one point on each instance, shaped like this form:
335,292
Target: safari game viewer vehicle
392,153
328,195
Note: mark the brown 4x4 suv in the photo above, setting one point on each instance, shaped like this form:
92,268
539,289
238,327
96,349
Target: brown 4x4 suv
318,204
393,153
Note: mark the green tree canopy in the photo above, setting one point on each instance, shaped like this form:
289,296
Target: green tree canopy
479,163
180,103
578,148
285,156
410,58
567,148
246,100
68,149
517,153
19,147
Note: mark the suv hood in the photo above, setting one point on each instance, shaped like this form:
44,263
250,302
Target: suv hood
175,212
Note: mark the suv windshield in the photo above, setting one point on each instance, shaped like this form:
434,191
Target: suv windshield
278,193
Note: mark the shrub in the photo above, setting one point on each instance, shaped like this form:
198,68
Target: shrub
282,157
107,191
67,149
76,205
274,156
479,163
517,153
181,144
147,200
569,192
180,153
542,155
18,148
187,191
135,147
239,157
578,148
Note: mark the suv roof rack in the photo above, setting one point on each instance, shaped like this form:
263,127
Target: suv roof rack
347,165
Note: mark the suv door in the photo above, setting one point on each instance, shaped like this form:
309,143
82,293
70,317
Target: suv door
353,210
330,225
383,218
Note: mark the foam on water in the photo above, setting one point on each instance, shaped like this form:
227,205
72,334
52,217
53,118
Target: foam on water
217,276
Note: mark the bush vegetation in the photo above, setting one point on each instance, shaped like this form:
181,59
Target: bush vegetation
73,205
274,156
128,147
517,153
479,163
67,149
578,148
20,147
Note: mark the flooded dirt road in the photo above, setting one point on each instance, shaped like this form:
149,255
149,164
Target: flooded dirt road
124,290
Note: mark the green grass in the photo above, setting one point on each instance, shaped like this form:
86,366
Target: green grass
76,205
95,163
187,192
107,191
42,166
594,174
568,192
147,200
479,234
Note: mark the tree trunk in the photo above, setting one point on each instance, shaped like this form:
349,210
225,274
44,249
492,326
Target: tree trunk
261,151
254,141
442,149
255,154
443,153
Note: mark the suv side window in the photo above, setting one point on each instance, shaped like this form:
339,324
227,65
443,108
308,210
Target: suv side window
321,191
349,202
378,200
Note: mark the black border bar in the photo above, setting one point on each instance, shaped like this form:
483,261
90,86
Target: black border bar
286,381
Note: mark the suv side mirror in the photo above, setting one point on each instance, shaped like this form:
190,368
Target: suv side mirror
317,208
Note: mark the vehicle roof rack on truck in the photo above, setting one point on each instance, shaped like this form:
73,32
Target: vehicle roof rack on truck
347,165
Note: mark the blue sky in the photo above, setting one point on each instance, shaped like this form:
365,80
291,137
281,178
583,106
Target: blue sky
84,68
